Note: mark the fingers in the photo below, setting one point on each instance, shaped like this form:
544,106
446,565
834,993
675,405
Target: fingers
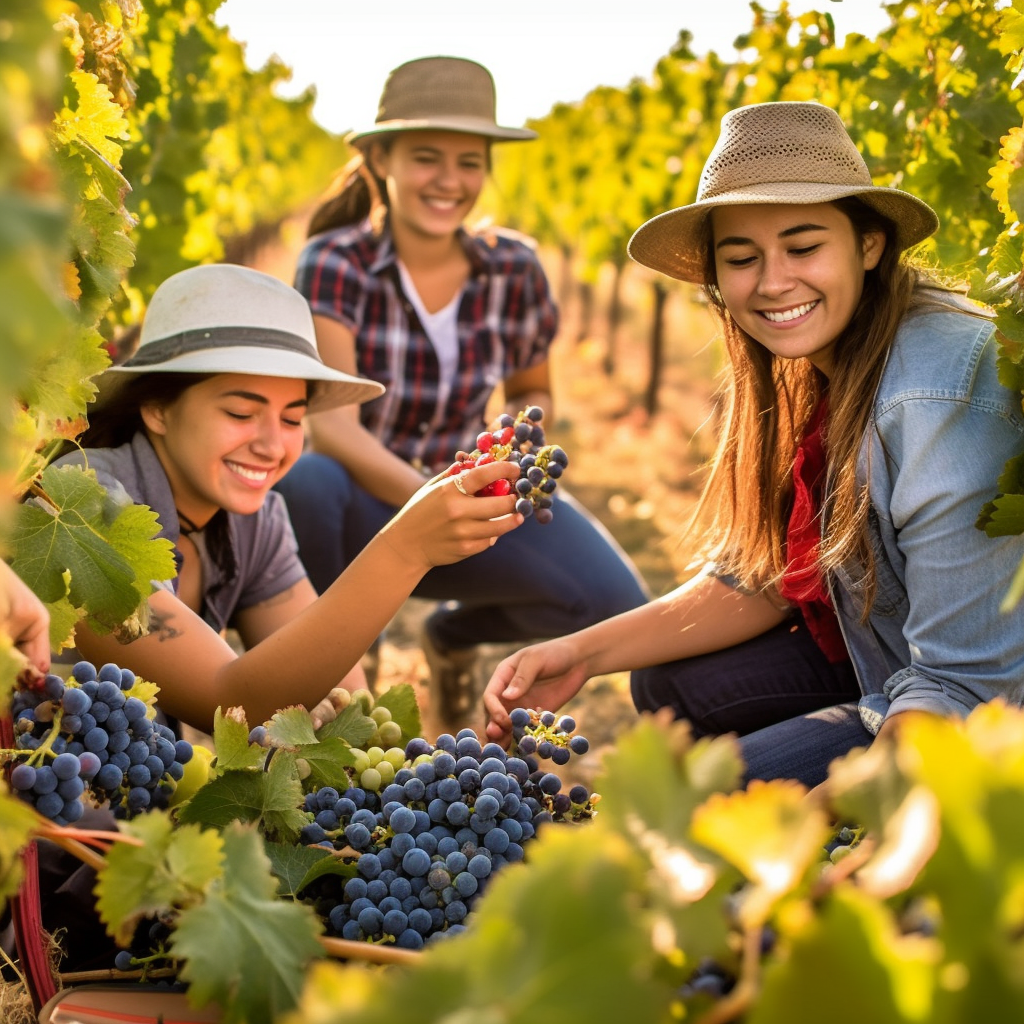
24,618
479,477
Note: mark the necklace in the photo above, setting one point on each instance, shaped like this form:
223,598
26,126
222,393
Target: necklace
186,526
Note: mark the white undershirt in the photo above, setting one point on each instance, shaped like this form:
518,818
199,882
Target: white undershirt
443,331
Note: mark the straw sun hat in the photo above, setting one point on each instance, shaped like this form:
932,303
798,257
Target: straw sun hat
223,318
441,93
774,153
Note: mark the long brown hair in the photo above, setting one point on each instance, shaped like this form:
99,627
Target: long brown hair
355,193
767,402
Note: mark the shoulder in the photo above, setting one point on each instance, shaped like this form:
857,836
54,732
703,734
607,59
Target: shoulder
500,246
119,465
354,244
943,354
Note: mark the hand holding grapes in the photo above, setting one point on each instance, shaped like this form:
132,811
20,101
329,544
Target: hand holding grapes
544,675
445,521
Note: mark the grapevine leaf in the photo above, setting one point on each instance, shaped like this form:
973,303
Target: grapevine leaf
682,775
1003,516
244,948
291,728
400,700
97,119
329,865
770,832
327,762
234,795
270,798
62,388
78,536
852,946
231,741
282,817
291,864
19,820
172,870
351,725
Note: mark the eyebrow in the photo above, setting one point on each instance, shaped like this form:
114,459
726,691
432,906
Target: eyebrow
795,230
253,396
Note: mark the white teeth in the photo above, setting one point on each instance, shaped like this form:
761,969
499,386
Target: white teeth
788,314
250,474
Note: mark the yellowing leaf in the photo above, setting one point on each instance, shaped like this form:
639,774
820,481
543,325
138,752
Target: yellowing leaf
770,832
96,120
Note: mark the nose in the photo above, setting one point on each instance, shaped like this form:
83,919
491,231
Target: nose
776,278
269,440
447,174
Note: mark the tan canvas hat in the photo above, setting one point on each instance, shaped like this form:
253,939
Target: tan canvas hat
781,152
440,93
224,318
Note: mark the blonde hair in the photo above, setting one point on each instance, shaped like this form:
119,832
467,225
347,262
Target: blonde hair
743,512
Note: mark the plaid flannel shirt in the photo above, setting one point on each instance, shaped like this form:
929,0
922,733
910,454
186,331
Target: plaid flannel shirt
506,323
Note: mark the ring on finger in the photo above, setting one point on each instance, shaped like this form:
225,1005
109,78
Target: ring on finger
461,486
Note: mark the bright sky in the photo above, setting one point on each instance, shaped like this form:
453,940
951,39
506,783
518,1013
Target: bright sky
540,52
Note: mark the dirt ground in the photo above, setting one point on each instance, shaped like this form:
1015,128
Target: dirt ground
634,472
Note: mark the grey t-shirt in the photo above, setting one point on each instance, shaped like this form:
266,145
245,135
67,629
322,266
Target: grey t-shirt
264,546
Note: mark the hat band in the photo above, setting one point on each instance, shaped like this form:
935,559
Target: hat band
180,344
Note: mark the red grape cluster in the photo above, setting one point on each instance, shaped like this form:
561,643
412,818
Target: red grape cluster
519,440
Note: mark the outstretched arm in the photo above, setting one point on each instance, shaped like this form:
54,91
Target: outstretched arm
701,616
303,659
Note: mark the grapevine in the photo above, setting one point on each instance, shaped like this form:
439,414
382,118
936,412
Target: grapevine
521,440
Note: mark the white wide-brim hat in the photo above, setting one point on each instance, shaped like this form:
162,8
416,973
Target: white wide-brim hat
224,318
781,152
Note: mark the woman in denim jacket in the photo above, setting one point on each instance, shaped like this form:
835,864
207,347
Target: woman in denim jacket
864,428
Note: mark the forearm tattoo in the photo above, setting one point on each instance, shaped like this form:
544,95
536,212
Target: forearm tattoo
160,626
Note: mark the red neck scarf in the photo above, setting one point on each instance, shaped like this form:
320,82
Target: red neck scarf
803,583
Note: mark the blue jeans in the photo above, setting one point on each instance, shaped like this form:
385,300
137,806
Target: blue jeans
535,582
793,710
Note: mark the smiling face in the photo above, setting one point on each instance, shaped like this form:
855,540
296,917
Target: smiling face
433,179
225,441
791,276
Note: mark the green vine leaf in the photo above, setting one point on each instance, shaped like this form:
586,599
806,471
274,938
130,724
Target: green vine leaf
174,868
88,549
244,948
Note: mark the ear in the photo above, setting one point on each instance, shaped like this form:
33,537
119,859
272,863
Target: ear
872,247
154,417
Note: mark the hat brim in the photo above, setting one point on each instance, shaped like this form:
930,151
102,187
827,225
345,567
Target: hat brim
331,387
464,125
670,242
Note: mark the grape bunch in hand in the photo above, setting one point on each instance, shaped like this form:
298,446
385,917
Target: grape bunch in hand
521,440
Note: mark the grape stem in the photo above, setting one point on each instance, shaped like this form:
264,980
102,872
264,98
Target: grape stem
349,949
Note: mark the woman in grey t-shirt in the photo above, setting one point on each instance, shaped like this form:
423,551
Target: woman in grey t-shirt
199,424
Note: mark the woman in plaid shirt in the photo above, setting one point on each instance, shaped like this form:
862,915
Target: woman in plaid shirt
403,294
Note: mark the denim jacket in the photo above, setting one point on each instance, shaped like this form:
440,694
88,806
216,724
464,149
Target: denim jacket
942,428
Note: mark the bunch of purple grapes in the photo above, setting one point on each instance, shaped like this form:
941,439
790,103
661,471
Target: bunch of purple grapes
90,737
429,843
545,735
521,440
